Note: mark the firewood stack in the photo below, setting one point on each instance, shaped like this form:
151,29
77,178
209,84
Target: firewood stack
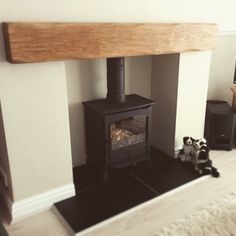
127,132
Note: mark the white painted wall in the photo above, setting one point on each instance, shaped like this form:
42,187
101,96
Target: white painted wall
222,68
179,86
222,12
5,188
35,117
192,95
38,148
86,80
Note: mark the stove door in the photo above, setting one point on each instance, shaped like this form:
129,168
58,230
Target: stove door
128,136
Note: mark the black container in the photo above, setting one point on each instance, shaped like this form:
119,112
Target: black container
219,125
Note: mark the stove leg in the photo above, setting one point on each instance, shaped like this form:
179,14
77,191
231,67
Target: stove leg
105,174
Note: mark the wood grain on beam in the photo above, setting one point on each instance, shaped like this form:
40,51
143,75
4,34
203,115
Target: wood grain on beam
36,42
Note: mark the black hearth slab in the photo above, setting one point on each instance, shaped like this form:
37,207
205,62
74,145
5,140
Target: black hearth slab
102,202
167,175
133,102
89,175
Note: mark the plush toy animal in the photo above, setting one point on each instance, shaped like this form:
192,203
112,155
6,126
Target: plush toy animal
201,160
187,149
200,143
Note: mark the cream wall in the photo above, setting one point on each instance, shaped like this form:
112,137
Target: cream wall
222,12
35,117
86,80
165,72
192,95
179,87
38,147
4,163
222,68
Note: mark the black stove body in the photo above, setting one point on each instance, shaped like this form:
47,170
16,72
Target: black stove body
118,128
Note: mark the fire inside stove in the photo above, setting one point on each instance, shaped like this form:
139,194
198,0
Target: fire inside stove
128,132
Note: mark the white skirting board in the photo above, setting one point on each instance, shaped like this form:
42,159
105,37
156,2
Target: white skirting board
41,202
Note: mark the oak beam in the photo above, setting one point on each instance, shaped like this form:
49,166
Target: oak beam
38,42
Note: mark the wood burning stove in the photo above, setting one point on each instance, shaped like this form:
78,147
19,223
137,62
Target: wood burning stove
118,128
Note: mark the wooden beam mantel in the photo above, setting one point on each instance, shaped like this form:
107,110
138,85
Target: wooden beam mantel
37,42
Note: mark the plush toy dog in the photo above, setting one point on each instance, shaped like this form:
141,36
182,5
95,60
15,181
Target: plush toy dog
196,151
199,143
187,149
201,160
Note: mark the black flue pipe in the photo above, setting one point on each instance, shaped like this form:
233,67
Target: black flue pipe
116,80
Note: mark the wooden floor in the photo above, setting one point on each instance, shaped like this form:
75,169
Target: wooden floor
148,217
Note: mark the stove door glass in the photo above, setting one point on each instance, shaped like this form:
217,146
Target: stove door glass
128,131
